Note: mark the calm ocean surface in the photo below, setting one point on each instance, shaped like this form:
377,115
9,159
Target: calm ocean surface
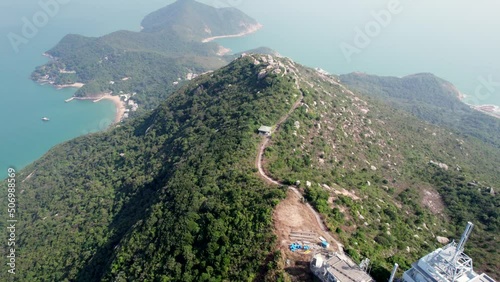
459,44
24,137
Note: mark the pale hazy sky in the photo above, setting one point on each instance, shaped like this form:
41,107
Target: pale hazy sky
475,24
456,17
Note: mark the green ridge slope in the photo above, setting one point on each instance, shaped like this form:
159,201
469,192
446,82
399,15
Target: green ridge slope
372,175
174,195
437,102
171,196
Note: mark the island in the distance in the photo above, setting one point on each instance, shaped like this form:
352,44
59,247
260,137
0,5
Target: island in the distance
137,70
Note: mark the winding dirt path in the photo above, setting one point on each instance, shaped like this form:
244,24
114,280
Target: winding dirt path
258,163
265,142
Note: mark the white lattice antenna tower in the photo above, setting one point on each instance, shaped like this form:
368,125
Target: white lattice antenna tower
460,262
365,264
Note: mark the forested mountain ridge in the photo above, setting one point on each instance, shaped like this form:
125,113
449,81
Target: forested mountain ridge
170,196
438,103
174,195
198,21
386,181
168,52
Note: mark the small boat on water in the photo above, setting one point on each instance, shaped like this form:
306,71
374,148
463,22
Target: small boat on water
45,119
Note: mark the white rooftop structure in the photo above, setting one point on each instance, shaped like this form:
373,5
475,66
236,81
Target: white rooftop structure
447,264
338,268
265,130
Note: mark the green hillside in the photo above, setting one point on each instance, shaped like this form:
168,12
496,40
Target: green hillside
437,103
170,196
174,195
385,181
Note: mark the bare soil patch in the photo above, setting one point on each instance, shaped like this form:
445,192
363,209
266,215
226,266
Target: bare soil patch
432,200
293,215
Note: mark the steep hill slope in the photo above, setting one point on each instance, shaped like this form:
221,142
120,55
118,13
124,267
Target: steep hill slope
175,194
170,196
438,102
387,182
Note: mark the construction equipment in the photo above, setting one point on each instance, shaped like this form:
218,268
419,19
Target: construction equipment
295,246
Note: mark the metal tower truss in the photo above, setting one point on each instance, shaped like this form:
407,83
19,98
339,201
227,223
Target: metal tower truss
447,264
451,265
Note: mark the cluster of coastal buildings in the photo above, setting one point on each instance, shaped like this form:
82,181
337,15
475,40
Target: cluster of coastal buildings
131,105
189,76
125,104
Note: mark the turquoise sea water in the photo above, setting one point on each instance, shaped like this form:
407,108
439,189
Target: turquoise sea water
24,137
456,40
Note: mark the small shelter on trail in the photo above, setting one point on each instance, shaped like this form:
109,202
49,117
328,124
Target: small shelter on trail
265,130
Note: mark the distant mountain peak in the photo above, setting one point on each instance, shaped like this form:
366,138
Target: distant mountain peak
197,21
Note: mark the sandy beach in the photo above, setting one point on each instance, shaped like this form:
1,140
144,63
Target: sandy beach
250,30
491,110
119,105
